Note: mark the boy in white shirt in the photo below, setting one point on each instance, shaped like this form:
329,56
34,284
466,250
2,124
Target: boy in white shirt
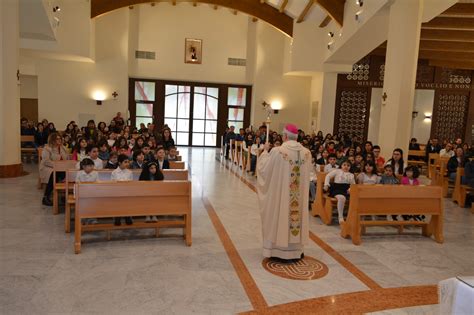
122,174
332,158
87,175
93,155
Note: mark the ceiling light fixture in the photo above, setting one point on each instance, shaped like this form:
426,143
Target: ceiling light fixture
360,2
56,9
331,34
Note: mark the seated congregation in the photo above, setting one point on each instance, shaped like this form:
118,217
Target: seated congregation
115,161
340,161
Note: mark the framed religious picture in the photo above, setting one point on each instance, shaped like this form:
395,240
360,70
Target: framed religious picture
193,51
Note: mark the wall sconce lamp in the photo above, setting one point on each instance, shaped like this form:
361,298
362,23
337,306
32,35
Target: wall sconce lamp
427,117
414,114
330,44
99,96
358,17
276,106
56,9
360,2
331,34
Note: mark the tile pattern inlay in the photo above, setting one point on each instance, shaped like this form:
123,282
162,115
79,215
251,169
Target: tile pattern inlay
307,268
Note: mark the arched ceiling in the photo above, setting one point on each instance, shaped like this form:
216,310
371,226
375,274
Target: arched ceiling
279,13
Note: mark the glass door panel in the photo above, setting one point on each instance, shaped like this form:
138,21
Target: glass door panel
177,110
205,116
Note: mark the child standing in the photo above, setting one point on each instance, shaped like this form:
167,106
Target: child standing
340,187
87,174
151,172
120,174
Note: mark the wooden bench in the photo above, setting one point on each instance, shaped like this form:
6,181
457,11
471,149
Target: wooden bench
369,200
40,152
28,150
105,175
323,204
439,175
134,198
238,152
178,165
457,187
432,160
419,154
58,187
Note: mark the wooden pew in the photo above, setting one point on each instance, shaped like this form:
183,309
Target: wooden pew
457,187
368,200
177,165
421,155
25,150
134,198
318,208
432,160
40,152
60,166
231,149
237,153
104,175
439,175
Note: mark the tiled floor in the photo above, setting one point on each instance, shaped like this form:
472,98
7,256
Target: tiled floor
134,273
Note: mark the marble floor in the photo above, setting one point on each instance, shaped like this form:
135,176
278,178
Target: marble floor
221,273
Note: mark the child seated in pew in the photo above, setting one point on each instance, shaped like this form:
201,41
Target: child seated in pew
112,163
87,174
160,159
332,159
389,178
121,174
80,150
151,172
369,175
93,155
340,187
172,156
410,177
138,160
104,151
148,155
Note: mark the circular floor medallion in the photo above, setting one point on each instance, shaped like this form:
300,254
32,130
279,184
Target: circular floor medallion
307,268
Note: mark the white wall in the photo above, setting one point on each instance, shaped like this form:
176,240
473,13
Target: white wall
163,29
28,86
270,84
424,101
65,88
328,103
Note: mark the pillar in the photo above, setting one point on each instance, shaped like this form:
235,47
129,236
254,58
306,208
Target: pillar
10,158
328,103
400,75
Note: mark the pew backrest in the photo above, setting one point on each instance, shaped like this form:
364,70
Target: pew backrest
112,199
395,199
179,165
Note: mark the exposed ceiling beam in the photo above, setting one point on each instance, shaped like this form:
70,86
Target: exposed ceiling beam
456,64
325,22
458,23
334,8
446,46
443,55
460,9
447,35
283,5
262,1
266,13
305,11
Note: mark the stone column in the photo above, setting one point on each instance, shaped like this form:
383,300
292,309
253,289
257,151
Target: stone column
400,76
10,158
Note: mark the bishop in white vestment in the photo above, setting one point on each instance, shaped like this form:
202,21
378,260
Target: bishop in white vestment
283,193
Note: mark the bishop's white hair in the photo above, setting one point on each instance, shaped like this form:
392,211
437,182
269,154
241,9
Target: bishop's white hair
291,136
